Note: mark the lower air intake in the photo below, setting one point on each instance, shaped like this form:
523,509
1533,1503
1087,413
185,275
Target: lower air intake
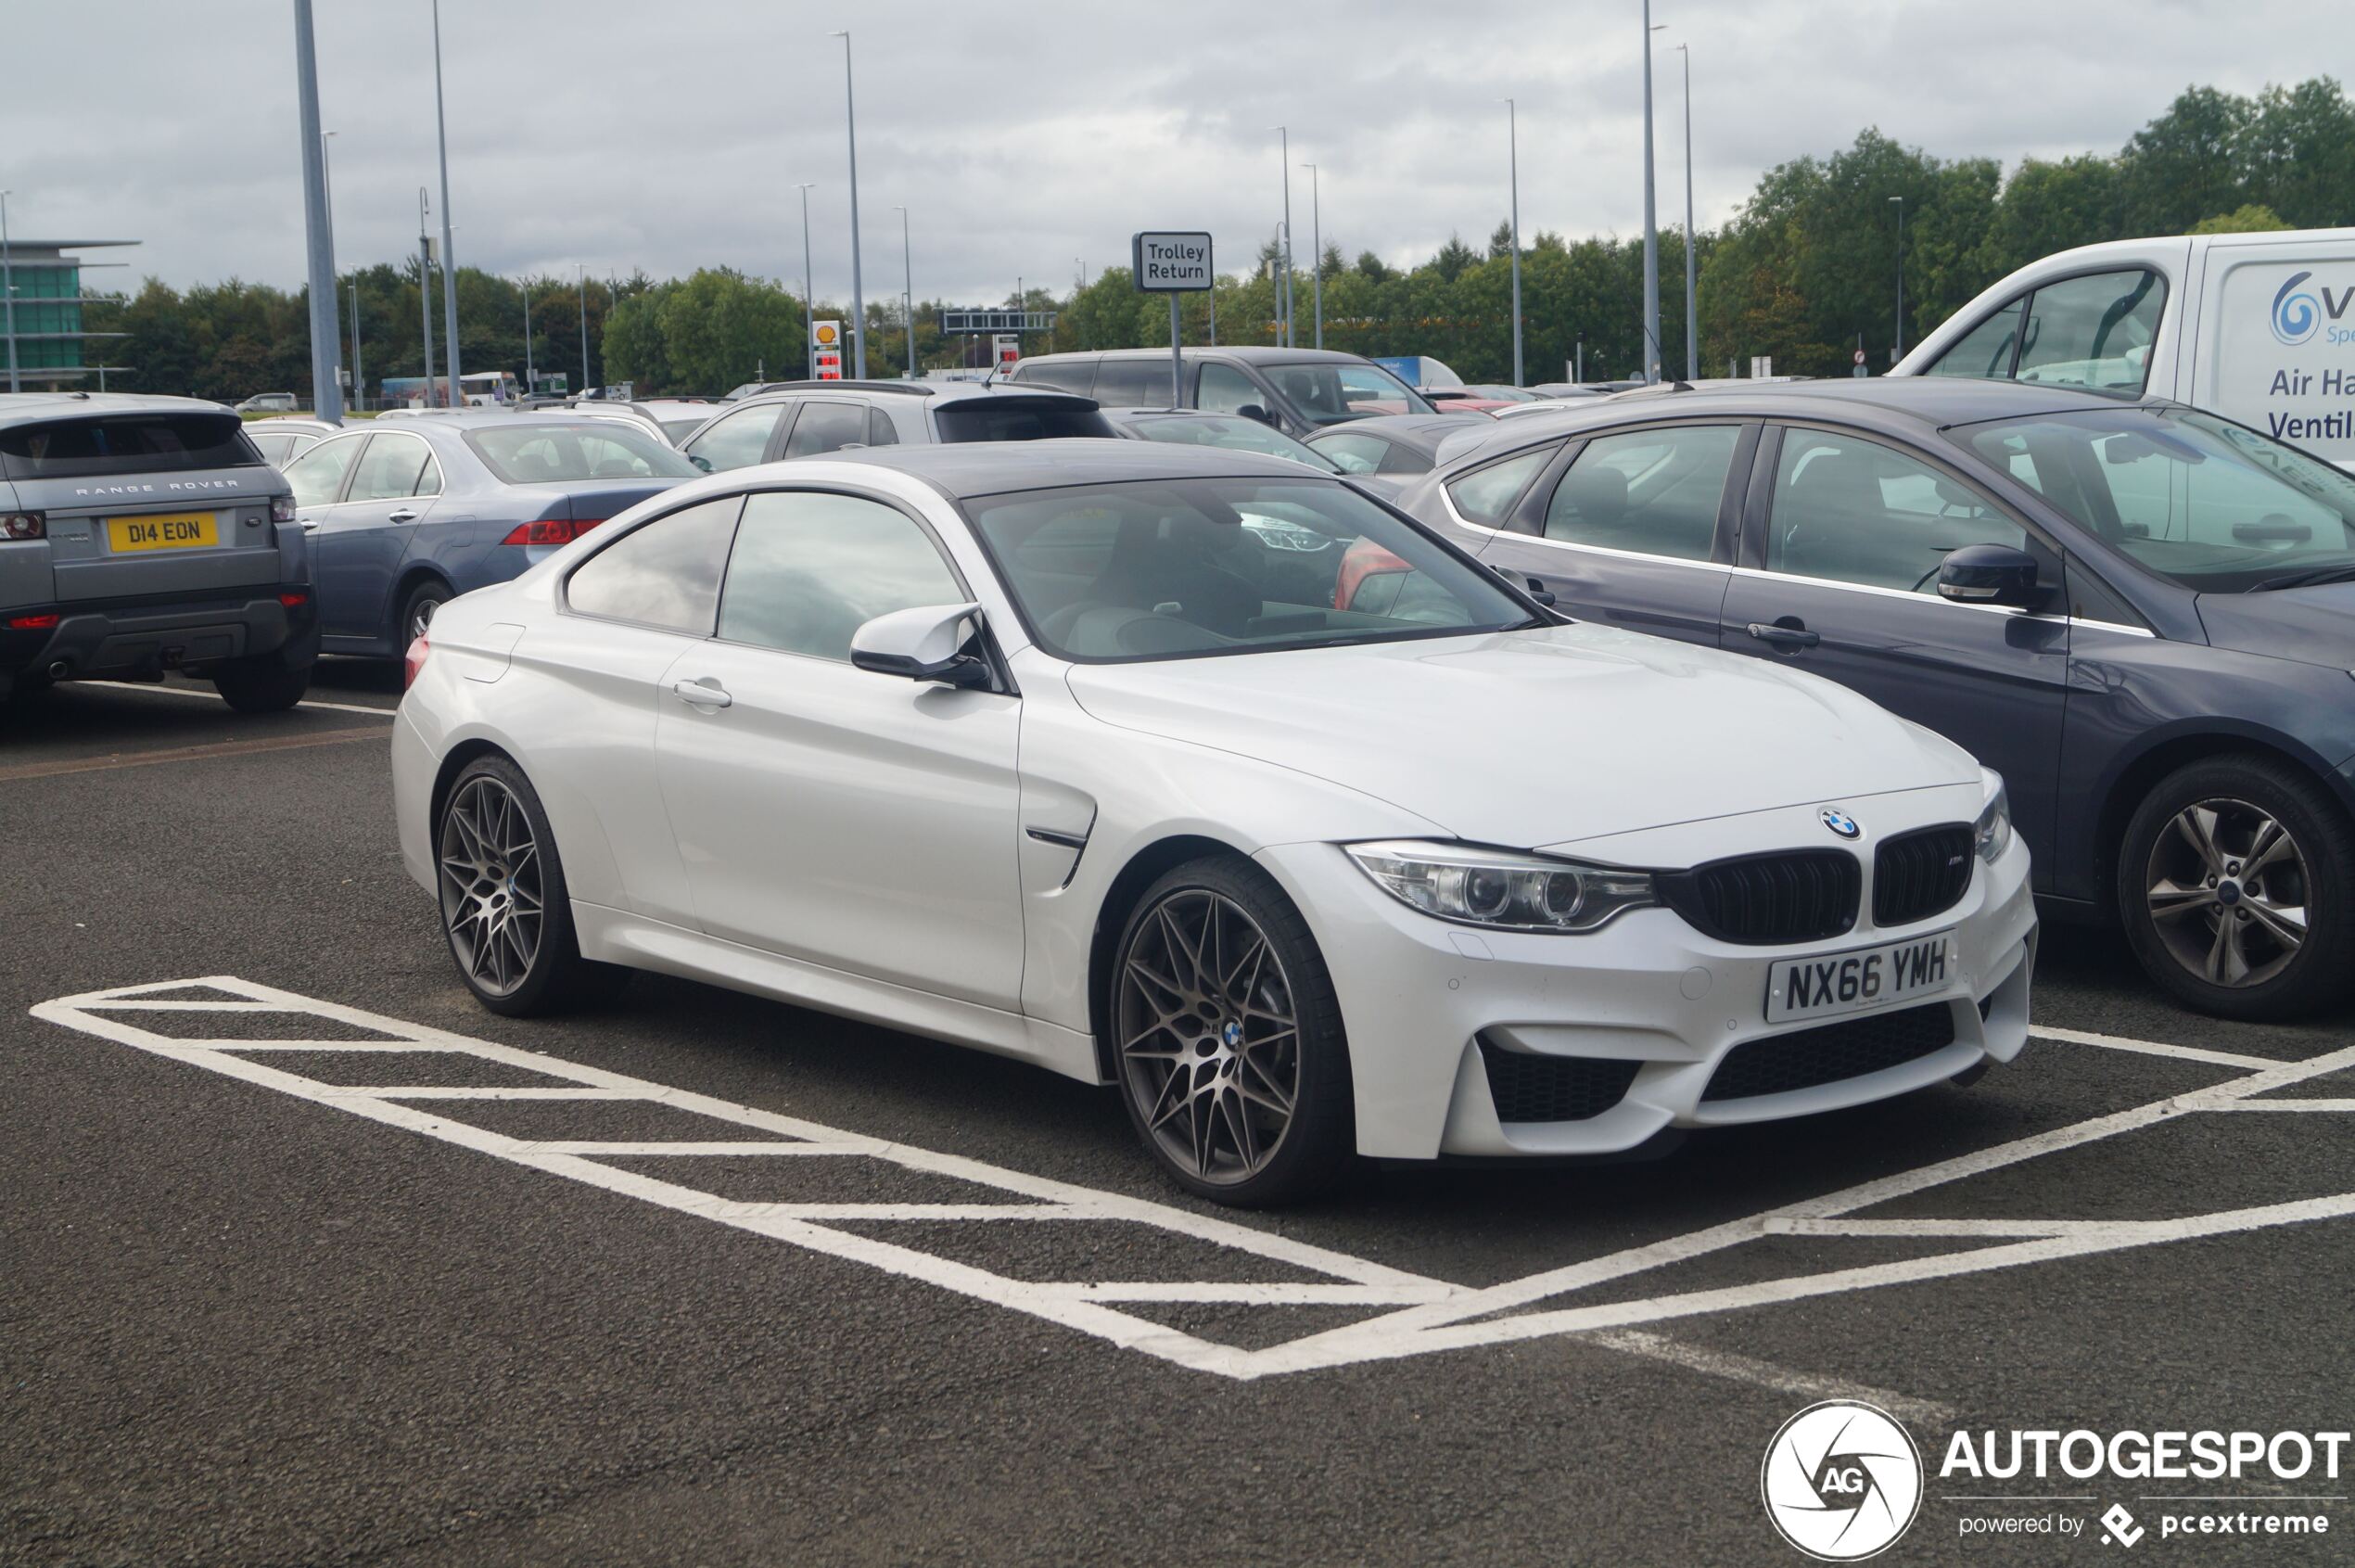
1529,1087
1830,1052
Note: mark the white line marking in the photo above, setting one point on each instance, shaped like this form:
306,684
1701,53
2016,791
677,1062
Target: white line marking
1766,1375
1427,1314
2153,1048
213,696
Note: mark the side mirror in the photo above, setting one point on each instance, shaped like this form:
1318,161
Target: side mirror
1529,585
924,643
1989,574
700,460
1252,411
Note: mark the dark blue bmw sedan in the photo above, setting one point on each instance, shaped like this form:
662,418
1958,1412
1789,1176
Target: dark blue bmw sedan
2141,615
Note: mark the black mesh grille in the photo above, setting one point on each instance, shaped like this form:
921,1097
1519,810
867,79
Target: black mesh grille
1794,895
1552,1089
1921,873
1830,1052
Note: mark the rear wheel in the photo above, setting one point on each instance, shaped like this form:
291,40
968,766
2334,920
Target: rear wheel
1228,1038
263,684
504,909
2234,882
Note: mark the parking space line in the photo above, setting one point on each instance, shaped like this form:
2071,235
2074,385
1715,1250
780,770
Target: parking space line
1766,1375
584,1091
609,1149
1791,1226
2289,1106
63,767
2153,1048
210,697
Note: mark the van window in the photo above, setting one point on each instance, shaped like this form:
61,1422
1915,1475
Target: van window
1225,390
1986,351
2092,331
1064,375
1133,384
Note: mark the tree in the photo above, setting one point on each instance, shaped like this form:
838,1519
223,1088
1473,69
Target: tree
2252,219
1453,258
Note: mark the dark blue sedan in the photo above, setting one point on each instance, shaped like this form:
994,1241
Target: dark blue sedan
404,514
2141,615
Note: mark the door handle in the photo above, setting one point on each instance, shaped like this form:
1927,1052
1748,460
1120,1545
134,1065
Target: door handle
1789,632
706,692
310,524
403,516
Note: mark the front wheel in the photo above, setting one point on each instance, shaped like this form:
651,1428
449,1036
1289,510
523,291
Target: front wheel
504,909
1228,1038
2234,882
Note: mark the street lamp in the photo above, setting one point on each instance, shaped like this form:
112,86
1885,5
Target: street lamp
1316,255
907,291
327,183
1512,151
1692,300
424,284
858,287
809,305
1284,301
8,293
1651,220
1901,278
581,281
327,342
448,255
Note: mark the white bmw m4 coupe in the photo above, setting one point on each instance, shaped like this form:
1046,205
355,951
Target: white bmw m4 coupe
1063,750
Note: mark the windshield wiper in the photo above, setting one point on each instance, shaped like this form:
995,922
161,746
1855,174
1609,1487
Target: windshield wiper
2310,577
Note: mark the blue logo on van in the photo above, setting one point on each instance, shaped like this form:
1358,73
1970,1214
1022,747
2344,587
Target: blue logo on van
2295,316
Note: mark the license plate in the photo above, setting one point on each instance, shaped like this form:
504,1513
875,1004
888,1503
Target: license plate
1850,982
179,531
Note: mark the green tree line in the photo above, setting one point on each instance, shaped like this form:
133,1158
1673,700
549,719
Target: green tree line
1805,272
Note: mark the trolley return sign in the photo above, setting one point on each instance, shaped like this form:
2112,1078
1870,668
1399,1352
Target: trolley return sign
1172,264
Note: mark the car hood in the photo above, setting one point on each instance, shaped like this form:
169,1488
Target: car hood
2310,625
1537,737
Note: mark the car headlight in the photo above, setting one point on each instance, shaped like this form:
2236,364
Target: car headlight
1992,832
1500,888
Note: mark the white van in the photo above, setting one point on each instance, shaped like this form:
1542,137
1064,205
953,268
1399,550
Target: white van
2257,327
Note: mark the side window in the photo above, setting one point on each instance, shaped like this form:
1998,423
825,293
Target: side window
1985,351
1356,454
1855,511
738,440
1485,495
318,476
811,568
2092,331
665,573
429,477
1064,375
389,468
879,428
1656,491
1133,384
826,427
1225,390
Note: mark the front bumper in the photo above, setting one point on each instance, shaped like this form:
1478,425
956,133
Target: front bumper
1419,996
144,637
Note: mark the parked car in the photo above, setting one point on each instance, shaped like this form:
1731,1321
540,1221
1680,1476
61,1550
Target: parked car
268,402
1300,391
1566,389
1497,392
1042,748
141,534
1463,399
810,418
283,438
2245,325
1400,444
2141,615
403,517
1231,432
674,419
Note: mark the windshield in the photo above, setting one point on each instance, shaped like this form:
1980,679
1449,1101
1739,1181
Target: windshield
1327,394
1185,568
526,454
2205,503
1234,434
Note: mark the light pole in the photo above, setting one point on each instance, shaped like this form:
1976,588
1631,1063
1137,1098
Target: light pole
425,283
1901,279
1512,151
1692,292
581,282
1285,132
907,291
327,186
327,348
530,381
1651,220
8,293
808,303
1316,255
857,287
448,255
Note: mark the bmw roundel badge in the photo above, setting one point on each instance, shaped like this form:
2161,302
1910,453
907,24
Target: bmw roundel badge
1840,821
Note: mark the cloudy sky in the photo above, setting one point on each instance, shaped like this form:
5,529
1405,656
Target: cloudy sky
1029,139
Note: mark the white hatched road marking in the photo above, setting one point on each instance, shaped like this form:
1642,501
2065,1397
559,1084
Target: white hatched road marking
1424,1314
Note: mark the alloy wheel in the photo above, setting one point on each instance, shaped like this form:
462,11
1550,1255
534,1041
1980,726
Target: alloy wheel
1209,1038
421,616
2227,885
492,905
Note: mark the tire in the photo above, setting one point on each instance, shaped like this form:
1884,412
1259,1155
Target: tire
417,612
2272,945
264,684
1199,1040
505,912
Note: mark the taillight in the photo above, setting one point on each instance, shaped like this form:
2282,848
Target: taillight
282,509
23,524
294,599
413,663
547,530
582,525
33,622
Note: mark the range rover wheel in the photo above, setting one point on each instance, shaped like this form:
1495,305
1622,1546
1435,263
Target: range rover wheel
263,682
1231,1058
2234,882
504,909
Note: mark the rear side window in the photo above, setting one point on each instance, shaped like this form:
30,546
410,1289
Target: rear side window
665,573
810,568
1485,495
826,427
1654,492
1133,384
317,478
125,444
738,440
1016,420
879,428
1064,375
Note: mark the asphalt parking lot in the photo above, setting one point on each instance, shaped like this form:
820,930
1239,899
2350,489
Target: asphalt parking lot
307,1258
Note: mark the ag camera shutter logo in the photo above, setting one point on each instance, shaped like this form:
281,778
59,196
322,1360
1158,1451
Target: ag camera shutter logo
1842,1480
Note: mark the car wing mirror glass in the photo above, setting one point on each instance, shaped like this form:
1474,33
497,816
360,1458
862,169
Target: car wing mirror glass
927,643
1254,411
1989,574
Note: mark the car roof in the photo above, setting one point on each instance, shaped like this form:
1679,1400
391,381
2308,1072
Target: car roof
939,392
961,469
1248,353
26,408
1415,429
